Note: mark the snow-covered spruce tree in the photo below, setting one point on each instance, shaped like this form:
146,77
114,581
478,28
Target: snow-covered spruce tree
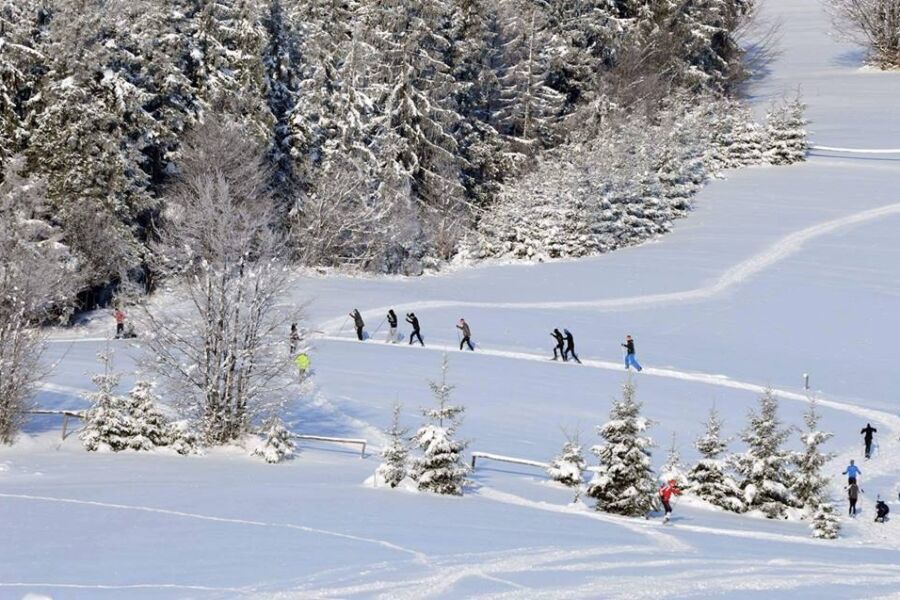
148,427
709,479
107,423
183,437
673,468
737,140
440,469
764,473
222,361
623,483
394,456
809,485
278,445
825,522
568,466
786,133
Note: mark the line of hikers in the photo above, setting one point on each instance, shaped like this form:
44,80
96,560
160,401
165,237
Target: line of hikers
853,472
564,348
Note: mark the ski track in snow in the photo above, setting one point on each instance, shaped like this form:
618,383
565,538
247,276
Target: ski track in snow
879,466
777,252
419,556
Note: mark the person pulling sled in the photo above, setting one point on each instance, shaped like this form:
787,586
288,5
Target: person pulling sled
358,323
665,495
392,327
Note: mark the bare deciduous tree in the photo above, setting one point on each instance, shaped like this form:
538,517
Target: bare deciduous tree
873,23
223,355
34,286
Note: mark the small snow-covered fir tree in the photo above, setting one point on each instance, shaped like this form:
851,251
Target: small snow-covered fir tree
148,427
278,446
441,469
809,484
764,469
623,483
786,133
394,457
825,522
568,466
673,467
708,479
106,422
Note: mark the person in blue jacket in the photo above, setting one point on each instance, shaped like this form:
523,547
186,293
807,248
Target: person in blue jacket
851,472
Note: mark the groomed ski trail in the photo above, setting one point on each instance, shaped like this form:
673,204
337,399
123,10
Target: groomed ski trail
777,252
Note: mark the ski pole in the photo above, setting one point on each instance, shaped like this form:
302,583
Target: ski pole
344,324
379,327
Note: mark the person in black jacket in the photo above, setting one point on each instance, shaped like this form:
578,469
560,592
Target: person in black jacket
630,358
358,323
868,432
570,346
559,349
392,326
413,320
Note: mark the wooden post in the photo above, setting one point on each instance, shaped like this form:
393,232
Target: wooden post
806,381
65,425
473,462
363,453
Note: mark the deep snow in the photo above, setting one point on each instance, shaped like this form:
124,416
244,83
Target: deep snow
778,272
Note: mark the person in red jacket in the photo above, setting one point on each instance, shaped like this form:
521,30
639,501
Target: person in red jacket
119,316
665,494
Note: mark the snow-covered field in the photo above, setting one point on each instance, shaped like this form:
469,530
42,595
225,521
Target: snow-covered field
779,272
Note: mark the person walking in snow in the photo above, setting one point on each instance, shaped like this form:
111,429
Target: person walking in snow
294,338
119,316
466,335
392,326
570,347
630,358
852,496
413,320
358,323
559,349
852,471
665,495
868,431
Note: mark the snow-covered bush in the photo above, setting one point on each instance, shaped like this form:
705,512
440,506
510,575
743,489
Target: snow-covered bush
709,479
623,482
107,423
184,438
764,470
825,523
786,136
441,468
395,456
567,468
148,428
278,445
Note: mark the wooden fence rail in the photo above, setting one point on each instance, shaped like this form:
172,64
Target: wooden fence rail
334,440
66,415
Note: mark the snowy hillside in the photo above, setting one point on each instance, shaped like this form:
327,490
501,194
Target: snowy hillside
777,273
